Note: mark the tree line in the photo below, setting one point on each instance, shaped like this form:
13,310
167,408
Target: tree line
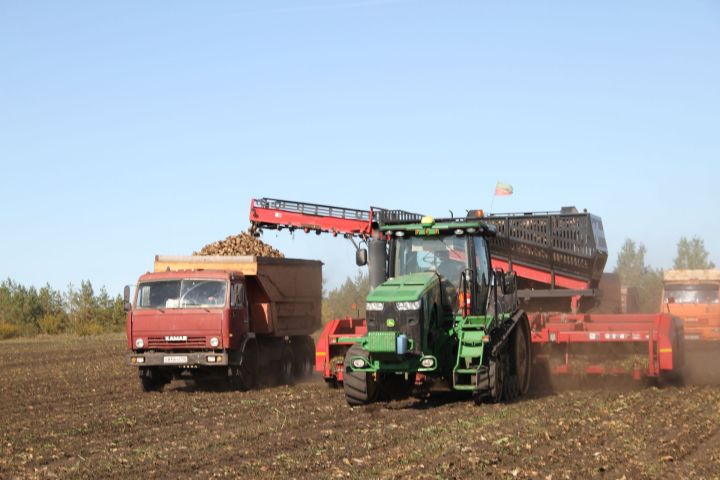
30,311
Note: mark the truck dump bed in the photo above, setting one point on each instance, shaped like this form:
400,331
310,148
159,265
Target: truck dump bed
284,295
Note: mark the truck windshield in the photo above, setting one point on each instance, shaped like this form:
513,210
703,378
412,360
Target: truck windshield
692,294
182,294
445,255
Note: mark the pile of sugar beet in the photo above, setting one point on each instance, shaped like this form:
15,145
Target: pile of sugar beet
241,244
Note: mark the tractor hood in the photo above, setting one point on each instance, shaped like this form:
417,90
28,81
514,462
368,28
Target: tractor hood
407,288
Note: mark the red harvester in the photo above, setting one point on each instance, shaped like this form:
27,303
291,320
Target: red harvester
579,325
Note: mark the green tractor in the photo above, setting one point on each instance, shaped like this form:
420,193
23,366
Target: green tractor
439,310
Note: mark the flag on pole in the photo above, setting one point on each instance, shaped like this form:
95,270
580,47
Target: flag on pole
502,189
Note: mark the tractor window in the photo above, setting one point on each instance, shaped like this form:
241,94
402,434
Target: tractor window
482,266
481,261
692,294
444,255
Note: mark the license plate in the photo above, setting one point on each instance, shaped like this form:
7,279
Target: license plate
175,359
692,337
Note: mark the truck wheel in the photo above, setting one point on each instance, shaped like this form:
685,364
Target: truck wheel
151,380
285,373
520,351
360,387
304,355
244,376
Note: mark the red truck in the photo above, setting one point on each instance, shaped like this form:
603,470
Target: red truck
234,319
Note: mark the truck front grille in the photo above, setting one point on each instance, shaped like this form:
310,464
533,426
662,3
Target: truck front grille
161,343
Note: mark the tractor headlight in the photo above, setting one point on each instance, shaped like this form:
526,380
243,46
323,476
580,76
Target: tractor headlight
358,363
404,306
374,306
139,343
427,362
214,342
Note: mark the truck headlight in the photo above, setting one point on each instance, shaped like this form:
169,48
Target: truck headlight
139,343
403,306
214,342
374,306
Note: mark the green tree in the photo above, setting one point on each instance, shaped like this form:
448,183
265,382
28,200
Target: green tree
339,302
691,255
29,311
635,273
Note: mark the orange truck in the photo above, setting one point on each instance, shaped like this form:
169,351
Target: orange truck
694,296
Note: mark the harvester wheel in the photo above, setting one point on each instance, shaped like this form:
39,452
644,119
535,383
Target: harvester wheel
151,380
521,356
360,387
244,376
285,372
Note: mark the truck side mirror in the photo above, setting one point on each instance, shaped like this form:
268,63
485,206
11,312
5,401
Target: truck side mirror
127,306
361,257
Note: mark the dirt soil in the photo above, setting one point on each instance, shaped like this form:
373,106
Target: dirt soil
72,409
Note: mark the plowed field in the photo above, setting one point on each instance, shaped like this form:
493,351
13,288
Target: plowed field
70,408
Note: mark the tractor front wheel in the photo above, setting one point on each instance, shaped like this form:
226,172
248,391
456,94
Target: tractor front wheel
360,387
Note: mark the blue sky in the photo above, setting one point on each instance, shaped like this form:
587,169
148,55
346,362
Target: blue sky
129,129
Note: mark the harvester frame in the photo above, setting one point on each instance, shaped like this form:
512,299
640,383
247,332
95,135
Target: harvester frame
558,259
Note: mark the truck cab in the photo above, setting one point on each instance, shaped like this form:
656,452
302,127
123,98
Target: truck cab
229,319
187,310
186,321
694,296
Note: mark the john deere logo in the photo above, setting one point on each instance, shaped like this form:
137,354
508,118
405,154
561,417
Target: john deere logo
390,322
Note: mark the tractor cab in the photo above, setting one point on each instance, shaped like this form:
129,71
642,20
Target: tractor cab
456,253
435,272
